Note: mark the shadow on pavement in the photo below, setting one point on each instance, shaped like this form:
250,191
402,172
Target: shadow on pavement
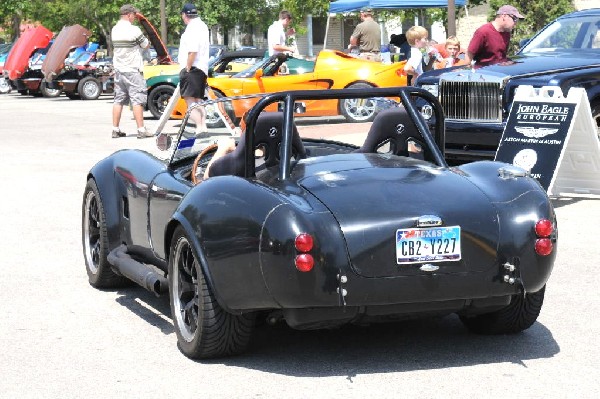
421,344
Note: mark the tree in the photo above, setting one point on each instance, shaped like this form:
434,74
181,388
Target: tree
11,15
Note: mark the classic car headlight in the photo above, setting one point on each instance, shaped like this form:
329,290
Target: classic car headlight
433,89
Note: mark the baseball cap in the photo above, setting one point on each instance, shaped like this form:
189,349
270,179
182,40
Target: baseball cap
366,10
509,10
189,9
128,9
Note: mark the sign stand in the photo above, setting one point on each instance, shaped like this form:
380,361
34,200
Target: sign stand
555,139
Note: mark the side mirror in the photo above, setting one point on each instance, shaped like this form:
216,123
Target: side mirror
163,142
259,73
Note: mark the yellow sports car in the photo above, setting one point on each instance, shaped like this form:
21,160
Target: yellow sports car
331,70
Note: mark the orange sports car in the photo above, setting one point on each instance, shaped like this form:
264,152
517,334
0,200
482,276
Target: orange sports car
331,70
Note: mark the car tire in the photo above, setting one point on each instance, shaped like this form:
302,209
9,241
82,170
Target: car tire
519,315
89,88
95,241
596,117
213,120
158,99
203,328
358,110
48,92
5,86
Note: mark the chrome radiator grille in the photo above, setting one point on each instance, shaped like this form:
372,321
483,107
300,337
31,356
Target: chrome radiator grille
472,101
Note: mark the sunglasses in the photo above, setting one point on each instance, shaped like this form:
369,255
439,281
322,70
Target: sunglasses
515,19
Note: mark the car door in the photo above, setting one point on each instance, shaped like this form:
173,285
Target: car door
165,194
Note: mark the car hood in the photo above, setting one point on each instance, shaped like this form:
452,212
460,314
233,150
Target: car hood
70,37
395,193
526,65
162,54
18,58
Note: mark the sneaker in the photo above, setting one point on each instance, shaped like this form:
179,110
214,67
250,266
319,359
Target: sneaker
143,133
118,133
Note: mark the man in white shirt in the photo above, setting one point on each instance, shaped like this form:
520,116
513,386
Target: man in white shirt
193,57
277,34
130,86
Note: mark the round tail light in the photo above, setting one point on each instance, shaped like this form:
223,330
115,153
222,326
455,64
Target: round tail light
304,242
304,262
543,246
543,228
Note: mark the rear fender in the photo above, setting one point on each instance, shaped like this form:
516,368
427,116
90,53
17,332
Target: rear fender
103,175
521,203
222,218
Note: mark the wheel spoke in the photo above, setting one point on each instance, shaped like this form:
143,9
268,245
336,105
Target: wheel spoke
190,314
94,213
95,249
186,286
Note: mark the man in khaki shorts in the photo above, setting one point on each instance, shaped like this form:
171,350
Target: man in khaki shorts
130,86
367,37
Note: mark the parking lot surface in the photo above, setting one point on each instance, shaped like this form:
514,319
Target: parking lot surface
60,337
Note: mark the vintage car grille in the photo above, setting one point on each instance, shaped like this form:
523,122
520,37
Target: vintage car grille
472,101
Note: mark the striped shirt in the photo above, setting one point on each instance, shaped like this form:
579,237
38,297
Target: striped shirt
128,42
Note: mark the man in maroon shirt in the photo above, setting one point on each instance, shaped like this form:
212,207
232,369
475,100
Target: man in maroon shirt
490,41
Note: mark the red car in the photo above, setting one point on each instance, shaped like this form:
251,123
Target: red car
17,61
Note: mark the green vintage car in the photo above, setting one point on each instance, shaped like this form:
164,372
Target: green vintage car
161,88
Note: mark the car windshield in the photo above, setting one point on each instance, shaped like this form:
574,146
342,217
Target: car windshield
580,33
82,58
5,48
213,51
293,66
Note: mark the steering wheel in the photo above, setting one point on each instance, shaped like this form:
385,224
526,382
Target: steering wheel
211,148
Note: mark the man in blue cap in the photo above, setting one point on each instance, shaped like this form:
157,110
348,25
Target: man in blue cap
367,37
193,58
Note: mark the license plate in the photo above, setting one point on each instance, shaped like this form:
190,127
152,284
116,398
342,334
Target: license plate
431,244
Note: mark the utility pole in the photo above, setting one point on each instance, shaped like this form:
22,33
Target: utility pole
451,18
163,22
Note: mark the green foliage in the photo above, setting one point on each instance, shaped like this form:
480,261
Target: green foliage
11,15
537,13
100,15
301,8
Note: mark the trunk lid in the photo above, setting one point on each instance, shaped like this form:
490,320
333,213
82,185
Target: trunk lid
161,51
17,61
70,37
393,198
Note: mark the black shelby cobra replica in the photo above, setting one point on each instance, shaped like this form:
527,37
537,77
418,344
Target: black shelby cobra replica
320,226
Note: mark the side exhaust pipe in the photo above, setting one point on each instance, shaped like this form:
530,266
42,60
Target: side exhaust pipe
140,273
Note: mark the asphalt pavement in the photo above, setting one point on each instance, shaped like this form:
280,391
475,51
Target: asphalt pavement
61,338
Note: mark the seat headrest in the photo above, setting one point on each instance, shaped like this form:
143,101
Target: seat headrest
393,126
267,137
